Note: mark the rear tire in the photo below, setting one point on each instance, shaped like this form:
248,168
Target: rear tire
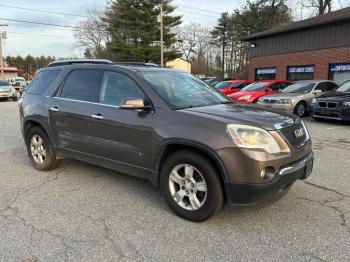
40,151
193,181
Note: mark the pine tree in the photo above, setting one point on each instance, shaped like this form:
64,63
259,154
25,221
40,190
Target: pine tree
135,31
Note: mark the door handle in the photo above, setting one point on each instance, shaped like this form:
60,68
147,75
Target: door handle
98,116
55,109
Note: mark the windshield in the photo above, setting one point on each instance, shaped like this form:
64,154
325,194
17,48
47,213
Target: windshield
181,90
257,86
344,87
299,88
3,83
223,85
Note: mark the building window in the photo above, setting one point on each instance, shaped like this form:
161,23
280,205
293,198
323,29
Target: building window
305,72
339,72
265,73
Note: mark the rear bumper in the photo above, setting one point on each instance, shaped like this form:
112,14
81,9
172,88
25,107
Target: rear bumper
250,194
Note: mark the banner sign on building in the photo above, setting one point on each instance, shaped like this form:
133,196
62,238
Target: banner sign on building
265,71
340,68
301,69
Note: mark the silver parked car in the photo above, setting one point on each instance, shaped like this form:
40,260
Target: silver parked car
7,91
297,97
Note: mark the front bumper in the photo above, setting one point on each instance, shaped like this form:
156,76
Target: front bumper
254,193
6,95
285,107
342,114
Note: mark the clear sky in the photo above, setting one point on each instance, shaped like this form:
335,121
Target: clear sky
24,39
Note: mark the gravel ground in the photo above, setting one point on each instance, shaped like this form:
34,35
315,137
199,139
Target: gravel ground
80,212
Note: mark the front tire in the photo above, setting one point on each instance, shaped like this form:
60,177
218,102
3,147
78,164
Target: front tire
40,151
300,109
191,186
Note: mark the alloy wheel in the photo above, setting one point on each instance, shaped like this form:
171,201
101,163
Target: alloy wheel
38,149
301,110
187,187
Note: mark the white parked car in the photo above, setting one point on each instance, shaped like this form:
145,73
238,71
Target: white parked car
7,91
19,82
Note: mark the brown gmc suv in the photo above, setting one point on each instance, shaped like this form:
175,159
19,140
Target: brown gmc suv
166,126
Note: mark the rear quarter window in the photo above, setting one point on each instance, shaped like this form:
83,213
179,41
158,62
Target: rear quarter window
42,81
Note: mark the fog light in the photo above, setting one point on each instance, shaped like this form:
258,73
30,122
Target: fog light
267,173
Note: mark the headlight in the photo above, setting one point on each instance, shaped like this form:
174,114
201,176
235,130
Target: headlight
314,101
307,134
253,137
246,97
346,103
285,101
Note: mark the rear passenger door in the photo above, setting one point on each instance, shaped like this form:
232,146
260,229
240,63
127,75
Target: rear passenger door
77,106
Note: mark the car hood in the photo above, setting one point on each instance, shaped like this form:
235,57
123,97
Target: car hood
243,93
339,96
237,113
286,95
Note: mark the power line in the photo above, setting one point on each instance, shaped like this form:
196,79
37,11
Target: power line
46,35
43,11
37,23
193,8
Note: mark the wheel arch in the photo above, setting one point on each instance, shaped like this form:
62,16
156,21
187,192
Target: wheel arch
30,123
171,146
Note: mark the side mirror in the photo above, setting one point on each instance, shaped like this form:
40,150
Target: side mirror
134,104
268,89
317,91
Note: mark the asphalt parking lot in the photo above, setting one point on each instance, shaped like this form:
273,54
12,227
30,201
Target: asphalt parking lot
80,212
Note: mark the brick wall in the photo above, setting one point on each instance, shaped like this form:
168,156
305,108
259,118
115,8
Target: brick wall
320,58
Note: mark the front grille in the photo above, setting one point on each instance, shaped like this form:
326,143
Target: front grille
332,104
290,134
324,104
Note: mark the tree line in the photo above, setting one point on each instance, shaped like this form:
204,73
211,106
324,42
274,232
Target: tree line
29,64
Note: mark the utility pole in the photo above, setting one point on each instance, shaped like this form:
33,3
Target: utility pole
161,35
1,60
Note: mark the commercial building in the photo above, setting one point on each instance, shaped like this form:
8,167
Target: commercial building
180,64
10,73
314,48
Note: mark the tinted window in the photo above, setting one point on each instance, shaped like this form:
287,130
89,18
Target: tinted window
116,87
223,85
324,87
331,86
257,86
299,88
82,85
275,87
284,85
42,81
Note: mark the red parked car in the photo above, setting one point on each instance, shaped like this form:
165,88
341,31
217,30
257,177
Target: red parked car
232,86
251,93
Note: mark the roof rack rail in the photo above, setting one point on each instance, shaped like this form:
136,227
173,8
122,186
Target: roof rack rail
79,61
136,64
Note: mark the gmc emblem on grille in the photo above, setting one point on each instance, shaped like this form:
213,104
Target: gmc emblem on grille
299,133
